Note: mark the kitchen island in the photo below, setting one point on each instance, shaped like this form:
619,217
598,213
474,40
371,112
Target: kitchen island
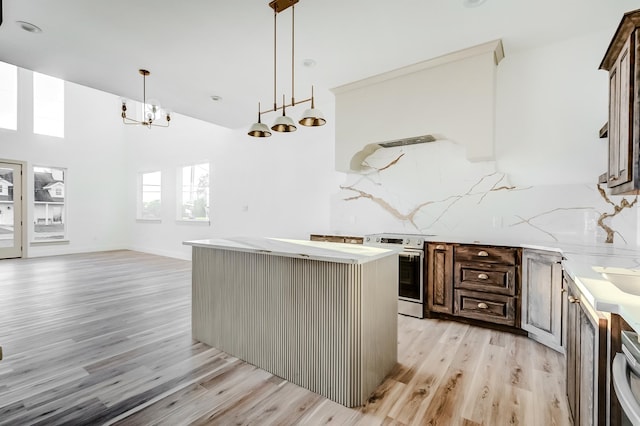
320,315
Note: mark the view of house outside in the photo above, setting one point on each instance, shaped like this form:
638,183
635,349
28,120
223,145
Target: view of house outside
195,192
49,204
6,207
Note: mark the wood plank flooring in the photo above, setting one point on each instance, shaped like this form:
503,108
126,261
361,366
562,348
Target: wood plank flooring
105,338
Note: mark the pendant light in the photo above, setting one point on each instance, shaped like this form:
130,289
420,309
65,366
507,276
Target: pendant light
284,123
312,117
259,129
150,111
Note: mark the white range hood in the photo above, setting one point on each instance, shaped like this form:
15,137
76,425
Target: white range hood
451,97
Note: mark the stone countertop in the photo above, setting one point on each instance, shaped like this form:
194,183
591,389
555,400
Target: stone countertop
301,249
602,294
579,261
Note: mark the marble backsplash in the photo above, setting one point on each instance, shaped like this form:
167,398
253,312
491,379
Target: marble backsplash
433,189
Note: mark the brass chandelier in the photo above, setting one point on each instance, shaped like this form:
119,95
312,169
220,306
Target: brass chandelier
311,117
151,110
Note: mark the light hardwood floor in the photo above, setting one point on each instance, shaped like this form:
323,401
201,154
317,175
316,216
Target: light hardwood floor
104,338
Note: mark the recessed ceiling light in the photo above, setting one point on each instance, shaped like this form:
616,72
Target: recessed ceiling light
29,27
216,98
473,3
309,63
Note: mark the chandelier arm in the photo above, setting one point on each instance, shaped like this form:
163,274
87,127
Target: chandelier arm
127,120
286,106
144,92
159,125
275,43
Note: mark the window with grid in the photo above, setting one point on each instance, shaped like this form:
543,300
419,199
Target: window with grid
49,216
149,195
194,192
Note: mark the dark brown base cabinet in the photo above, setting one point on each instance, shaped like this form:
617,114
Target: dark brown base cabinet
473,282
486,282
586,359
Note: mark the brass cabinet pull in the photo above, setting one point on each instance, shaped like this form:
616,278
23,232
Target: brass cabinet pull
483,276
573,300
563,290
483,305
439,247
612,178
483,253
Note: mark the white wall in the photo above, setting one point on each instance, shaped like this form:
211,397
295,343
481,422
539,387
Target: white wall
91,151
551,102
277,186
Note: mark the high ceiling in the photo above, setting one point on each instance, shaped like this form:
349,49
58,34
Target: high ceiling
199,48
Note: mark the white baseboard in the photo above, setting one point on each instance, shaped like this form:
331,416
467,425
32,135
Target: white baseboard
159,252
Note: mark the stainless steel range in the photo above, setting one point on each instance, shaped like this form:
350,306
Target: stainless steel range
411,269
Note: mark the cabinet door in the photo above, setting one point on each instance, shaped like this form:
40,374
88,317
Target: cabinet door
542,297
572,351
586,361
593,367
621,99
440,278
614,124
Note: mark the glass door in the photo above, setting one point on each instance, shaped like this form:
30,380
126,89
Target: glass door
10,210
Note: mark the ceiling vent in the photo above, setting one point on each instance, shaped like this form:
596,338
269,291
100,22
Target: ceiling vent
358,161
407,141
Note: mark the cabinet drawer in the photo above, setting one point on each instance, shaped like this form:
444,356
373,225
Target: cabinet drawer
485,277
487,254
494,308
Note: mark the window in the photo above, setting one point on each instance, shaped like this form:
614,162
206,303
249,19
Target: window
149,185
8,96
49,205
48,105
194,195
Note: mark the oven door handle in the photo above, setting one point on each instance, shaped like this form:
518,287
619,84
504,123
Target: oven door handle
410,255
623,390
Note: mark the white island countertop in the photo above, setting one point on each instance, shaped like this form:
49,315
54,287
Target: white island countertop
603,295
302,249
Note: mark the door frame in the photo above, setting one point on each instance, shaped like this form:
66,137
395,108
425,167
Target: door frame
23,203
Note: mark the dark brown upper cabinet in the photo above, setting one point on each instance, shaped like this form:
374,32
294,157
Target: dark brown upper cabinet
623,175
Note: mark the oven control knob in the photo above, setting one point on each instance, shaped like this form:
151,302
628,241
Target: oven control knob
378,240
368,239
